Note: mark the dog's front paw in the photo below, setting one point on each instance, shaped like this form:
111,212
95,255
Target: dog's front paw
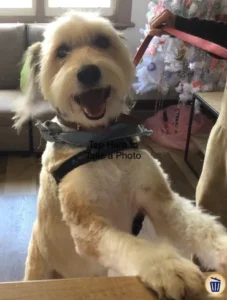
172,277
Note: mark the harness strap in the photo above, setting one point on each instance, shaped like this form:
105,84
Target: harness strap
137,224
91,155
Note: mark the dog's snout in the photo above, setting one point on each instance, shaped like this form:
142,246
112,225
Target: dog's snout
89,75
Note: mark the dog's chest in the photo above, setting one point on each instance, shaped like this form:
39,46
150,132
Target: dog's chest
108,183
112,176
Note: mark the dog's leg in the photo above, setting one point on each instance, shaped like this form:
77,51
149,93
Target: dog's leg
192,229
36,268
181,222
158,265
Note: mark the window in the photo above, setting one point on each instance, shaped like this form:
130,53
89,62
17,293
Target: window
17,7
56,7
41,11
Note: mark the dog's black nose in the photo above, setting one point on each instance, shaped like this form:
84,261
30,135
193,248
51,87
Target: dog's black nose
89,75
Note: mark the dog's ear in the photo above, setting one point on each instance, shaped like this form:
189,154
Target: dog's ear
34,53
30,103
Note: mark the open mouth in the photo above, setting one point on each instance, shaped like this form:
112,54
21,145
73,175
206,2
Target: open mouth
93,102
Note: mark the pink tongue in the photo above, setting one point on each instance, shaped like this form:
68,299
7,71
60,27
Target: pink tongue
95,111
93,102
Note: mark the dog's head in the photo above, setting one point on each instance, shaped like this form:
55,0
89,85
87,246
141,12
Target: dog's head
85,69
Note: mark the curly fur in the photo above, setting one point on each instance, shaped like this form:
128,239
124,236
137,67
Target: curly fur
83,225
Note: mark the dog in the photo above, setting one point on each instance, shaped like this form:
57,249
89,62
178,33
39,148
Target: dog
85,71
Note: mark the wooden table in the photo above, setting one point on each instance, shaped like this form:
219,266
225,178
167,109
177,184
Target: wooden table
126,288
212,102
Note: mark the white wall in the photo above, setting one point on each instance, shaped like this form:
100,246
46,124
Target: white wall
133,35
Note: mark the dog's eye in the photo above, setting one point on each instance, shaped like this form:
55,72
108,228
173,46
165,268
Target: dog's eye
63,51
101,42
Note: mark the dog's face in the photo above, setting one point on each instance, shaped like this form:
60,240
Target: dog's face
85,69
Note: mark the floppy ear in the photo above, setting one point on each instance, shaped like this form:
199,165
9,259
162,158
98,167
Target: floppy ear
30,104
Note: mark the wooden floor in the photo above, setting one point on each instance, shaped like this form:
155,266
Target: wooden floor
18,192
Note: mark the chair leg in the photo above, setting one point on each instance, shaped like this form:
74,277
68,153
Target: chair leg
31,144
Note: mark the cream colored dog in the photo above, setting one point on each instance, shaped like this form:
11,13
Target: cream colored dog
83,225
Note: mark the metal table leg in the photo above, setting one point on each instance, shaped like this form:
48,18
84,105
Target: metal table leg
189,137
189,130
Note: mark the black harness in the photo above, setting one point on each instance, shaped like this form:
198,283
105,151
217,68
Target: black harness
92,154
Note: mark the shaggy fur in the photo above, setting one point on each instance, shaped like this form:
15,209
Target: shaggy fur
83,225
